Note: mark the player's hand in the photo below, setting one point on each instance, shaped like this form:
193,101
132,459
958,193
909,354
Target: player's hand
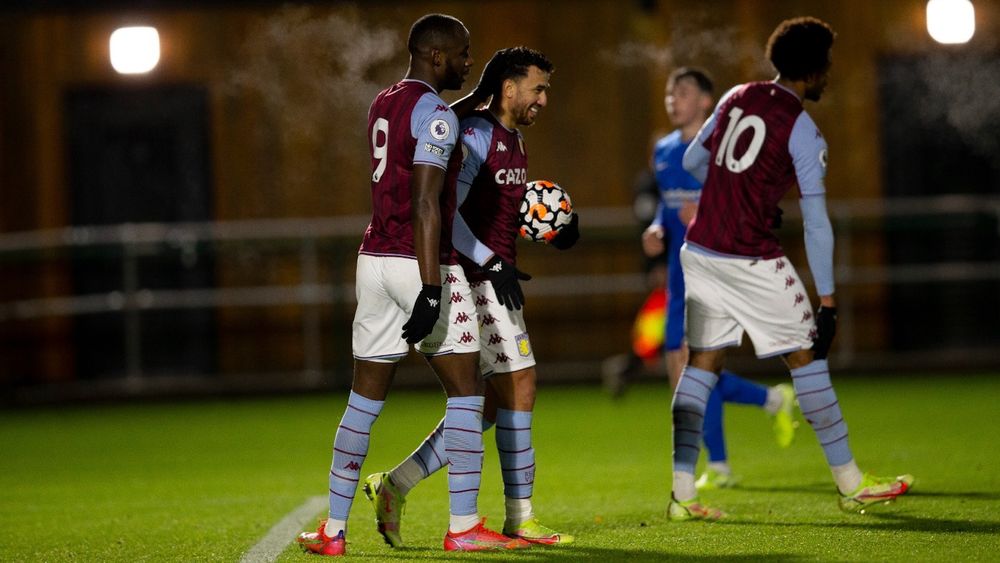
568,235
652,241
776,219
826,328
491,78
504,277
426,310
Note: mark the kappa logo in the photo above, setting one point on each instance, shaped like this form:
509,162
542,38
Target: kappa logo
813,333
496,339
469,132
466,338
529,476
462,317
488,320
789,282
456,297
482,301
807,316
501,357
779,265
474,285
353,466
496,267
433,302
450,278
441,107
799,298
501,147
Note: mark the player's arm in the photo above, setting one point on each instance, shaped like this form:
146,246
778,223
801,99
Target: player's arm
808,150
425,186
475,143
697,155
435,132
488,83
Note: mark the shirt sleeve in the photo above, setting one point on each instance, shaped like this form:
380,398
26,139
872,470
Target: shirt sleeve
435,127
808,149
697,155
819,241
475,145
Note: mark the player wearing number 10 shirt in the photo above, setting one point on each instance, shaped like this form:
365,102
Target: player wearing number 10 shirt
757,145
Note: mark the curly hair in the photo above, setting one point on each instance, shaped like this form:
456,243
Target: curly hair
800,47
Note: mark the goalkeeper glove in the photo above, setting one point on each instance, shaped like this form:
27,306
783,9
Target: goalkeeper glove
826,328
426,310
503,275
568,235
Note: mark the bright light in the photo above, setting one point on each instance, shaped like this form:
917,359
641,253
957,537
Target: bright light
951,21
135,50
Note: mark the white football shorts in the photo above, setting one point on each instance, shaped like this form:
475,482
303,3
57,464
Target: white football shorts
503,338
386,288
727,296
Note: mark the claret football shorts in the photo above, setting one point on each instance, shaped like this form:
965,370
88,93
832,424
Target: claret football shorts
386,289
764,298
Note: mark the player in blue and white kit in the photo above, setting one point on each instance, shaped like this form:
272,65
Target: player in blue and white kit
758,144
688,100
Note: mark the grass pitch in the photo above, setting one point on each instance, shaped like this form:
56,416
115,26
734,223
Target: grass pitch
205,481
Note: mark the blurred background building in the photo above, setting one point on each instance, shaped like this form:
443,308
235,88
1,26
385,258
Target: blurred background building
193,228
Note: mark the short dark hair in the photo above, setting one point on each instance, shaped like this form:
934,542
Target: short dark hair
700,77
517,61
800,47
433,31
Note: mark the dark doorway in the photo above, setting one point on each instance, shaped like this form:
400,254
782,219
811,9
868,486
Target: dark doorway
940,124
140,155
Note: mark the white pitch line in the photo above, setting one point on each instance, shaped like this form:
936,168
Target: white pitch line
281,534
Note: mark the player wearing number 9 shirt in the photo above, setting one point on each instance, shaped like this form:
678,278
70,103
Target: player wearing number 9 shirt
758,143
405,255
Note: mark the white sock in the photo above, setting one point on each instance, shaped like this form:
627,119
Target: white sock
406,475
774,401
684,486
333,527
462,523
519,510
847,476
720,467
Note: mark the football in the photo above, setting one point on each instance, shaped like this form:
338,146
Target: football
545,209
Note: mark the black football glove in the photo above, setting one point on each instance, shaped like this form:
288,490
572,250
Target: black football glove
568,235
826,328
492,77
503,275
426,310
776,219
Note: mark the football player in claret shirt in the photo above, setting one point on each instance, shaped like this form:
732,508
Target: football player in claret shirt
757,145
688,100
491,187
410,286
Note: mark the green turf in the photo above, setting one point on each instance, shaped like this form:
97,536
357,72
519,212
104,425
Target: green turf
204,481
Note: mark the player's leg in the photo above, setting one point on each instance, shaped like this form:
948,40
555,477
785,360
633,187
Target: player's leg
455,362
778,401
377,346
778,317
821,408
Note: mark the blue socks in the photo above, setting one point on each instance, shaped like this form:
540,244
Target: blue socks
349,450
690,400
819,405
730,389
463,443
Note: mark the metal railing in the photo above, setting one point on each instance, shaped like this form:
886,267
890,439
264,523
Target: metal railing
137,240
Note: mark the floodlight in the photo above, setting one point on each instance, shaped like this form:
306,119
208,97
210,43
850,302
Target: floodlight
951,21
135,50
